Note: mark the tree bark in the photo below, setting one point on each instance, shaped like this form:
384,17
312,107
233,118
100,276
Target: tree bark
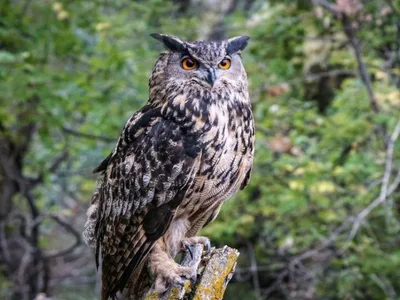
214,271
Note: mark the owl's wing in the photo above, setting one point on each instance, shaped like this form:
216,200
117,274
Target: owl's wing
145,180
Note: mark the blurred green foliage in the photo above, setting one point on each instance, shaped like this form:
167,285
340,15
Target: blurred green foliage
81,67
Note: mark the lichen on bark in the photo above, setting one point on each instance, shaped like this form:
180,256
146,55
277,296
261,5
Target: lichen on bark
214,271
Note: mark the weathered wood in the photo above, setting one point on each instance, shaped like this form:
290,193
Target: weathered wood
214,271
217,273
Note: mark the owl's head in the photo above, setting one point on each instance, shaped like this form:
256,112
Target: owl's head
210,64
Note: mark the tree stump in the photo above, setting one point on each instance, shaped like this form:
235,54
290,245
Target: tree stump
214,271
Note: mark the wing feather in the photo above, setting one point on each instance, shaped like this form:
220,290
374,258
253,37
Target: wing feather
145,180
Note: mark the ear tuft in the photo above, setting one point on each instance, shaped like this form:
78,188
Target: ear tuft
171,42
236,44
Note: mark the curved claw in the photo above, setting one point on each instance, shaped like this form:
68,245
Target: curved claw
188,247
207,247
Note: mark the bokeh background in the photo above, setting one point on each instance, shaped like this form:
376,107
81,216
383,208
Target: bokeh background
320,219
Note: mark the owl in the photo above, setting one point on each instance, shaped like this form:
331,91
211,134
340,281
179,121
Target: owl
177,160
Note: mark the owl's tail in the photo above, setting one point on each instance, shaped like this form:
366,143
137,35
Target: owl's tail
135,288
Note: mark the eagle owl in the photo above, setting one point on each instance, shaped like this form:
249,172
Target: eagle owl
177,160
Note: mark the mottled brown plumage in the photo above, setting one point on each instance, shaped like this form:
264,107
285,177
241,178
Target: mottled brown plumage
177,160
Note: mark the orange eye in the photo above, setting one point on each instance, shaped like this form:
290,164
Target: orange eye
225,64
189,63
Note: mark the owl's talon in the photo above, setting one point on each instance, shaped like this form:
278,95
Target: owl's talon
188,247
207,247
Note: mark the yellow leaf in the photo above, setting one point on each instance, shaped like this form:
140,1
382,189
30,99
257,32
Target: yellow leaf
323,187
102,26
296,185
381,75
299,171
57,6
338,171
329,215
62,15
360,189
394,97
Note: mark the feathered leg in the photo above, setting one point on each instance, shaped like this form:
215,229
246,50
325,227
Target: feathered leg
166,271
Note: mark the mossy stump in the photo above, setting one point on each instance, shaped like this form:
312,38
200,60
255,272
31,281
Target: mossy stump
214,271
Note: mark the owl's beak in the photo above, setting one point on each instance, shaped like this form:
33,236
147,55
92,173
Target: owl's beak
211,76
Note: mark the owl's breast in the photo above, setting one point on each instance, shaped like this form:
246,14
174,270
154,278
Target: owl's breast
227,157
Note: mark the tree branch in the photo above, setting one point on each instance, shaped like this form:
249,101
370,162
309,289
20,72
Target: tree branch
355,44
386,190
214,271
103,138
353,223
53,168
67,227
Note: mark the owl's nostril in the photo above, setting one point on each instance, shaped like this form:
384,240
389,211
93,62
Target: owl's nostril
211,76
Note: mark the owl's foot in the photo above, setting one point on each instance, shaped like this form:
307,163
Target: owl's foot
167,272
188,242
172,274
